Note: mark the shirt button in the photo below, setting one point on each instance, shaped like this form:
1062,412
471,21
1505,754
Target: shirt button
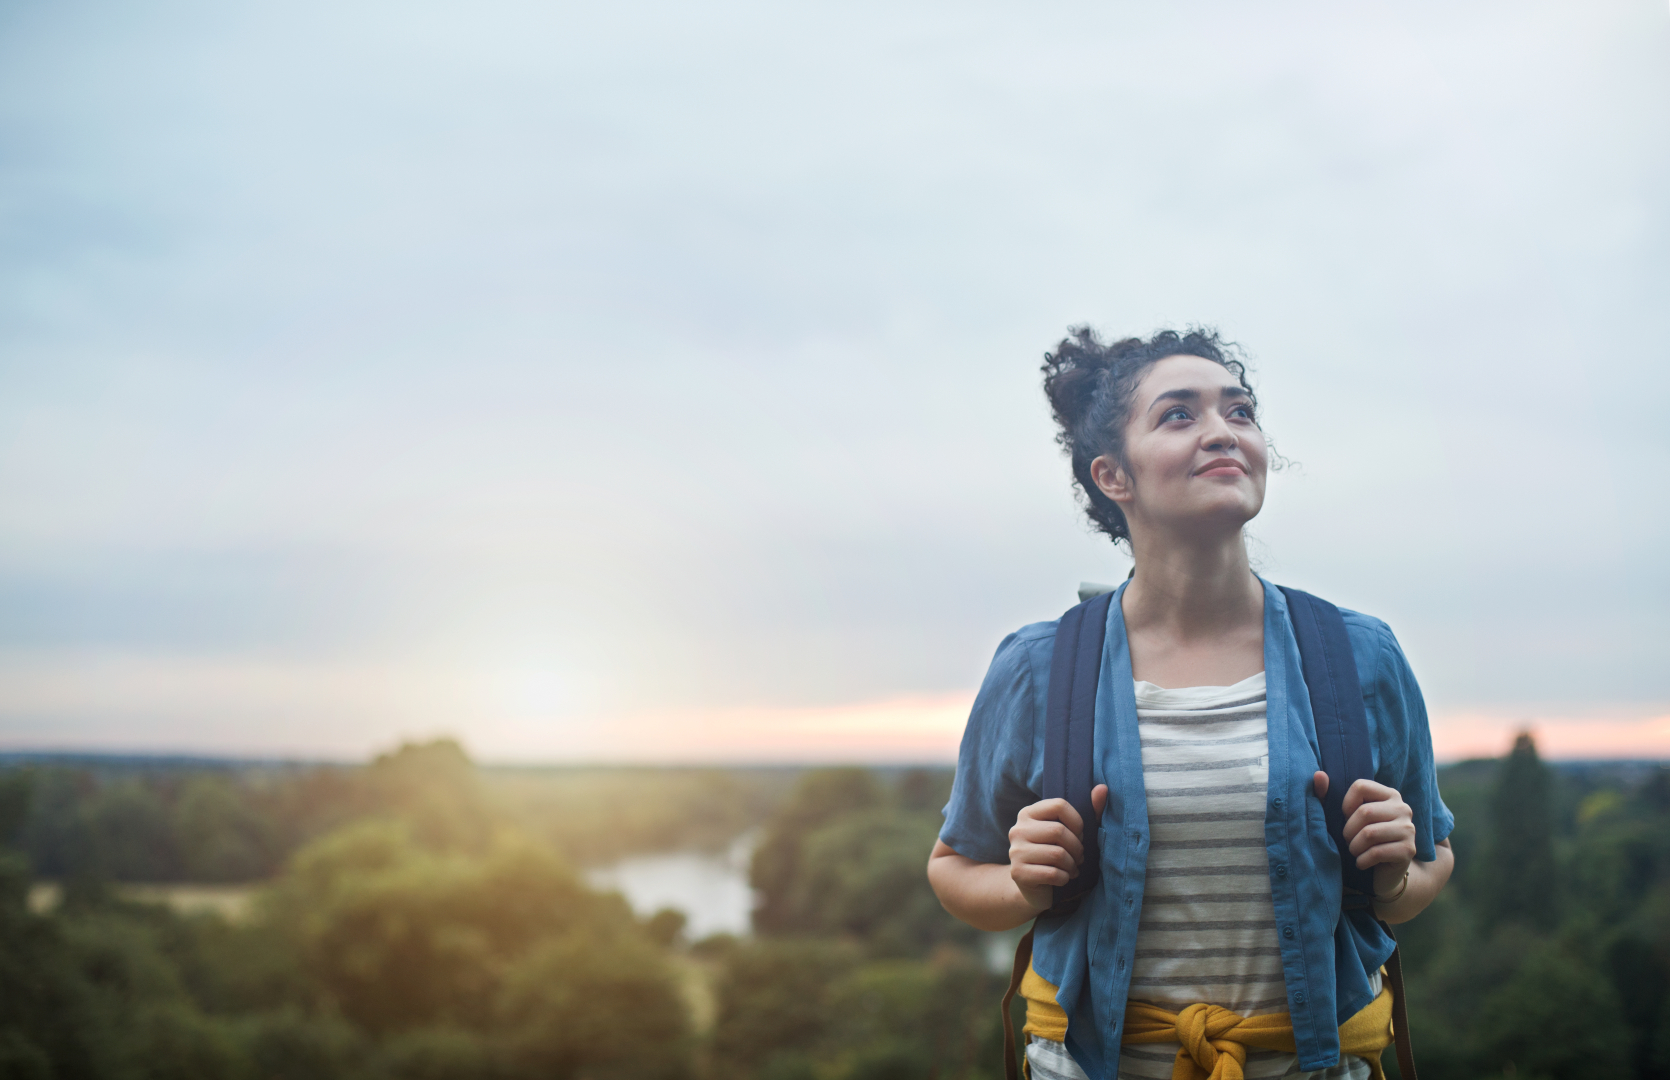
1275,804
1298,997
1287,932
1281,869
1129,899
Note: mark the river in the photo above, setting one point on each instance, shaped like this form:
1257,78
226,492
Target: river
710,888
712,891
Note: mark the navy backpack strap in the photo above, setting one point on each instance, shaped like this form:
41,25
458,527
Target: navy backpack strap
1336,702
1070,731
1069,746
1341,721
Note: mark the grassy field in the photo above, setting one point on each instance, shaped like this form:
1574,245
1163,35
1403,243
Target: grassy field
231,902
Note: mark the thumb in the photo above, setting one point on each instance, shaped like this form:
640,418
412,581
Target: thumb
1099,797
1320,782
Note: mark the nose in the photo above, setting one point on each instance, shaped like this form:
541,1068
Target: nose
1216,434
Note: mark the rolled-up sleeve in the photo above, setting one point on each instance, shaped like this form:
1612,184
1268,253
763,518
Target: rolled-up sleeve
995,764
1404,741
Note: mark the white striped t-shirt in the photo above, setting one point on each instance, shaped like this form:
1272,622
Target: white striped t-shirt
1208,928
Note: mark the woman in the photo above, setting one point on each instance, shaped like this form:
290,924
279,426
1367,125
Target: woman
1220,884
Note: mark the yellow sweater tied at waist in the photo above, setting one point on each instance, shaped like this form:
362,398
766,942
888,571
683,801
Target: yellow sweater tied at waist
1214,1040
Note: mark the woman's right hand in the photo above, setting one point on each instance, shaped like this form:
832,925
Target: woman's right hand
1046,846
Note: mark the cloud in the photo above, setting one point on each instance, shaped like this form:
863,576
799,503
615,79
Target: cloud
693,349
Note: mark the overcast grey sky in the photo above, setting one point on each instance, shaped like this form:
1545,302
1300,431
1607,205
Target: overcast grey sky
518,369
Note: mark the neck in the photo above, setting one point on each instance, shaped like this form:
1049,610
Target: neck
1192,588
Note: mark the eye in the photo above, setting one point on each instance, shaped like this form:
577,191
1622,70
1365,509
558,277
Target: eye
1176,412
1244,412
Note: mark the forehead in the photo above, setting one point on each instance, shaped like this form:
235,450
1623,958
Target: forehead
1187,373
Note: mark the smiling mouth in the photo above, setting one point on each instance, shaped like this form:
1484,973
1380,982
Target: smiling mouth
1223,467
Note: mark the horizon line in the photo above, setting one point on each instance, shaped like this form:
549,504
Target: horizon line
13,756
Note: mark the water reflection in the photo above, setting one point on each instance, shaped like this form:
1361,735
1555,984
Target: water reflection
712,891
710,888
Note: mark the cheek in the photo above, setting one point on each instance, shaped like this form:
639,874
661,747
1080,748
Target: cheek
1156,465
1165,454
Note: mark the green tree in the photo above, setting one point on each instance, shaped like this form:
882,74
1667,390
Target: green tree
1640,977
912,1018
1522,881
561,1009
499,963
58,834
434,788
288,1044
924,789
1557,1018
441,1052
132,833
220,834
821,797
862,876
401,936
48,1023
774,1003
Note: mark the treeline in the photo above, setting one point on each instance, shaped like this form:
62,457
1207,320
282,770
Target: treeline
138,821
435,929
426,938
432,938
1549,954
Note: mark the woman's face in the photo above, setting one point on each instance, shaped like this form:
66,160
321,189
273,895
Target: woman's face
1195,458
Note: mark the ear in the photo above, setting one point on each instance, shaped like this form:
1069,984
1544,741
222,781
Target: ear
1111,478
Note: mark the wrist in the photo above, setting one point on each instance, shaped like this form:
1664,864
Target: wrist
1036,898
1390,892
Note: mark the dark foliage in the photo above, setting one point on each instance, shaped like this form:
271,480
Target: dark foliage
141,821
1519,863
420,929
1550,954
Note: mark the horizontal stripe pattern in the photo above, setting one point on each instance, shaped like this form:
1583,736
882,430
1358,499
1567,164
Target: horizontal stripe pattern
1211,815
1212,790
1208,928
1255,737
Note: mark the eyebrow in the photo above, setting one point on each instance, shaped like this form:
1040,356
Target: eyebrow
1194,395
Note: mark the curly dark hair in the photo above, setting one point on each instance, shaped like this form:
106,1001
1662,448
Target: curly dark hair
1091,385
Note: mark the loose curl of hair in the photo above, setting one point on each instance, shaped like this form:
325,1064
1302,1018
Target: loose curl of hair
1092,386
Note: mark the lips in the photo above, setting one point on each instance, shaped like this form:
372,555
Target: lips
1222,467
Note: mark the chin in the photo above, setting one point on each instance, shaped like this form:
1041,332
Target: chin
1232,506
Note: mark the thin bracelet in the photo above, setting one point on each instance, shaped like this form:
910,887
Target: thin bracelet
1402,887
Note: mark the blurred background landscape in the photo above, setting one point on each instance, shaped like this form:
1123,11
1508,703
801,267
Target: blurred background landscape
425,917
504,507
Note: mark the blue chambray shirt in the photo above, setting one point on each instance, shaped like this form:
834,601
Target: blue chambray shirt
1328,960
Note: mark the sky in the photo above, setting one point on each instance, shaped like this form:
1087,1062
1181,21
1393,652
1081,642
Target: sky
659,382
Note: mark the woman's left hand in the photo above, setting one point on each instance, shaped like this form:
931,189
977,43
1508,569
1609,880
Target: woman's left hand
1380,829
